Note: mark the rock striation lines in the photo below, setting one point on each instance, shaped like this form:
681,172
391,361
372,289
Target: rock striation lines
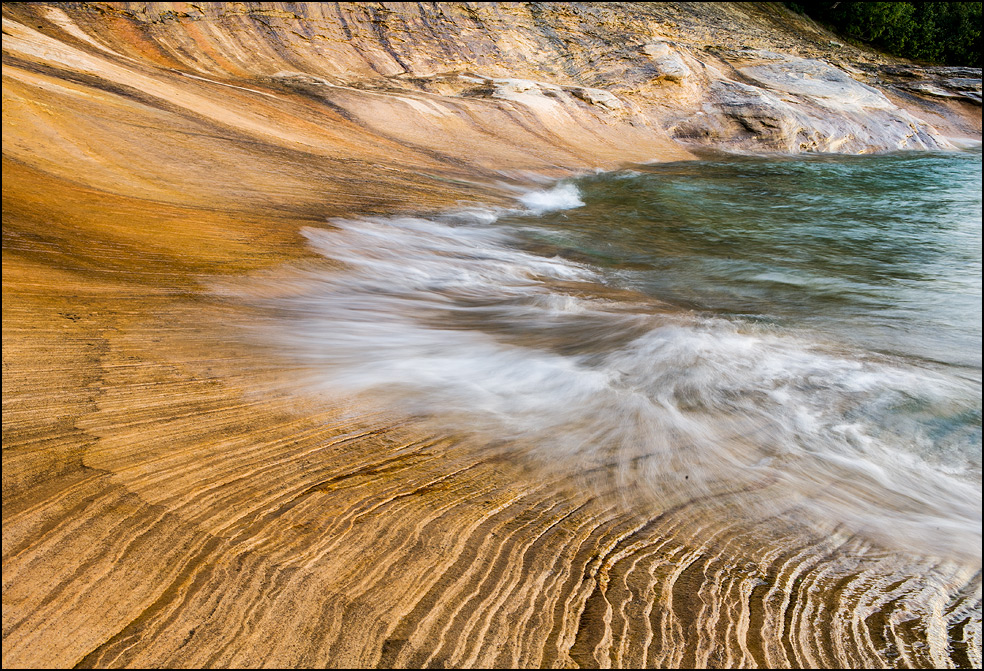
168,500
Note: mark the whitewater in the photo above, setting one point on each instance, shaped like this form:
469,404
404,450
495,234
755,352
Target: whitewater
547,333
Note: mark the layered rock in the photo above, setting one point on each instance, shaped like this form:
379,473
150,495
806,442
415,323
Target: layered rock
165,502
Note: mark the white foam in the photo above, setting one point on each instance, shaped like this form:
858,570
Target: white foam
561,197
450,322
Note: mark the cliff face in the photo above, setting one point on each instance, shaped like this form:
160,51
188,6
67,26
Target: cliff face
165,503
552,84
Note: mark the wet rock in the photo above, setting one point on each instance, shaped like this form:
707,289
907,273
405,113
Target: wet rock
154,478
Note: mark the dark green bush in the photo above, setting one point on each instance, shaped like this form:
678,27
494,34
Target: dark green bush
939,32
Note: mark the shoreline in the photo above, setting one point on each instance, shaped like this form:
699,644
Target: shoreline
166,503
193,441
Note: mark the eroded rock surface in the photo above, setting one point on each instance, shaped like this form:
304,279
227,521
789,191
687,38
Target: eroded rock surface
794,104
165,503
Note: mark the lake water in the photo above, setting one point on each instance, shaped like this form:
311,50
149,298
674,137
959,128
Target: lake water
805,329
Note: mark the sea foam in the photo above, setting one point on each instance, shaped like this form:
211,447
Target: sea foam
563,196
452,323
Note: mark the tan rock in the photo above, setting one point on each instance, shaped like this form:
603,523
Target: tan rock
167,503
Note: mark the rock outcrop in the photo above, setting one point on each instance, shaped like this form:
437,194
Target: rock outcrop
165,503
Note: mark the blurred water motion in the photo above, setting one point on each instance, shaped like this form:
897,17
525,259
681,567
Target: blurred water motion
794,337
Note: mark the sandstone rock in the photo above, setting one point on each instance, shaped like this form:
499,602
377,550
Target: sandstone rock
787,103
817,82
520,89
597,97
669,65
165,503
968,88
761,116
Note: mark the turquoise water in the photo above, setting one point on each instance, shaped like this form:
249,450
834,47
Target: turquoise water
798,337
880,251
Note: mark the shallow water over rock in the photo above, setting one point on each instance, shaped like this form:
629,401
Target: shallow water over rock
789,347
582,463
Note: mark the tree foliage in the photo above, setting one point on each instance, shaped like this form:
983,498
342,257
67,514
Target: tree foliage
939,32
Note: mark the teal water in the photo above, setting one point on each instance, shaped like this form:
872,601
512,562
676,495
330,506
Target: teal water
880,251
804,328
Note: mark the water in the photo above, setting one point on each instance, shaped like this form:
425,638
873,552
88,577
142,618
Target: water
790,337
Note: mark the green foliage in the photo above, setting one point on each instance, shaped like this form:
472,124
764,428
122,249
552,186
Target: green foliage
939,32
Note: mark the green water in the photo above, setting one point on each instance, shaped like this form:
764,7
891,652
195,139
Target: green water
880,251
807,327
